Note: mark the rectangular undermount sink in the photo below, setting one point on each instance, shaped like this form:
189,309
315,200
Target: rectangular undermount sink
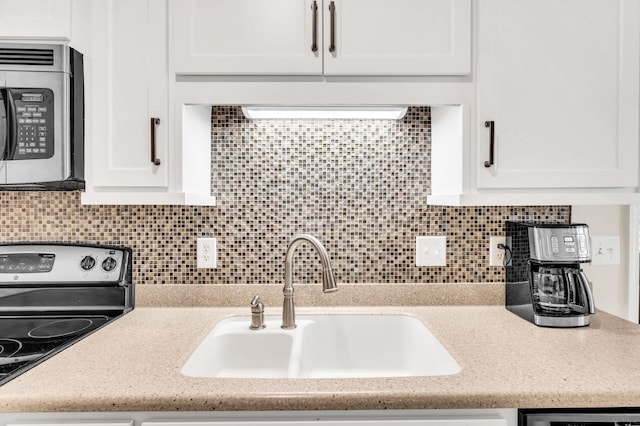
322,346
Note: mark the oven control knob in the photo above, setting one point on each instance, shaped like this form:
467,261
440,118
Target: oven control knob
109,264
87,263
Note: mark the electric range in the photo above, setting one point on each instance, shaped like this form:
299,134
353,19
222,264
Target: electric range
54,294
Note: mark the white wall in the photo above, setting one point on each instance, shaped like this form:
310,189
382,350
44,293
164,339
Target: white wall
610,282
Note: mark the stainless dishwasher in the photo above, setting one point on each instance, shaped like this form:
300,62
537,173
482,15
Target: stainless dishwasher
580,417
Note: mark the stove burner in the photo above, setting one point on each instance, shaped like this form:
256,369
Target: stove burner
8,347
60,328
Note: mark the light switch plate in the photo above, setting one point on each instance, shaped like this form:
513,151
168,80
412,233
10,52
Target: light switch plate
431,251
605,250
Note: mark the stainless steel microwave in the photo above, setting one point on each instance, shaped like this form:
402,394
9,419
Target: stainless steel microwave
41,117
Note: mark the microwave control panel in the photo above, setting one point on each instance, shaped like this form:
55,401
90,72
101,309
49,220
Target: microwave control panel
33,132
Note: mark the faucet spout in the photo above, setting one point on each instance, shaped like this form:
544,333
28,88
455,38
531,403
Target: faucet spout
328,280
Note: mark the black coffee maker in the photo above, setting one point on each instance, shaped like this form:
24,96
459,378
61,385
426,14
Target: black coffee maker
544,281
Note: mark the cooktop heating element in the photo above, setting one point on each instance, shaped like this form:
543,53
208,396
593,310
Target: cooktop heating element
53,295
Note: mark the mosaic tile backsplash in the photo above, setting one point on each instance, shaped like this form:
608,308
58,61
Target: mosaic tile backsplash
358,185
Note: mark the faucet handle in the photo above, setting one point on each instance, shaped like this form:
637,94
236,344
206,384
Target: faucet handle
256,303
257,313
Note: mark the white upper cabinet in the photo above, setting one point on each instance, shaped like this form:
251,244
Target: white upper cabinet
236,37
35,19
315,37
130,89
131,156
559,80
397,37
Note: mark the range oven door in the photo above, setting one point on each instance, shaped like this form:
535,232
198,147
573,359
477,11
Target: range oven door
34,142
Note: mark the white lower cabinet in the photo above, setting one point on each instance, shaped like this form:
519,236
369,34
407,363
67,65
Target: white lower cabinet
74,423
481,417
443,421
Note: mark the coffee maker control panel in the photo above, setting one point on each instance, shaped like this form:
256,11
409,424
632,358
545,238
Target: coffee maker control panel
560,244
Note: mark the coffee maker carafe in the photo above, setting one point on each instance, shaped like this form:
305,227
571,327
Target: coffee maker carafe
544,280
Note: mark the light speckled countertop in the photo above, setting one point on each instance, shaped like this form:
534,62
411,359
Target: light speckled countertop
134,365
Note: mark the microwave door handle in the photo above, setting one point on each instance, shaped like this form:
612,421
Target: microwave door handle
584,283
12,127
4,131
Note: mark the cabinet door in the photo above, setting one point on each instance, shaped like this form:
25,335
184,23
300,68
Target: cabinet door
559,78
35,19
130,87
236,37
88,422
451,420
397,37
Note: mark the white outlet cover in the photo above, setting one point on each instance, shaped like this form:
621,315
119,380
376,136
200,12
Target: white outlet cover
496,255
207,253
431,251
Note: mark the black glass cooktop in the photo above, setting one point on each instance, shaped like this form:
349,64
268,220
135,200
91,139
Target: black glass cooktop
27,341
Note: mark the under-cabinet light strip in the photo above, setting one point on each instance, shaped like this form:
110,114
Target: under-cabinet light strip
366,113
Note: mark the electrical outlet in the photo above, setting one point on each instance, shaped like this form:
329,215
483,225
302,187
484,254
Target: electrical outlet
605,250
431,251
496,254
207,253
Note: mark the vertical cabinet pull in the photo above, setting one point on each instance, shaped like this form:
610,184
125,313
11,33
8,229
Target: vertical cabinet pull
492,140
155,122
332,19
314,27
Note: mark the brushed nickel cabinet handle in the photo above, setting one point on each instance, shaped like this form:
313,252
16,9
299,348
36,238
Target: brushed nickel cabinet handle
154,123
314,27
492,139
332,13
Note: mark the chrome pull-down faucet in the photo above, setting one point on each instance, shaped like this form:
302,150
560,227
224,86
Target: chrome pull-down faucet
328,280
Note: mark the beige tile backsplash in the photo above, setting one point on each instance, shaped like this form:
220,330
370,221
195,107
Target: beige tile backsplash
360,186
